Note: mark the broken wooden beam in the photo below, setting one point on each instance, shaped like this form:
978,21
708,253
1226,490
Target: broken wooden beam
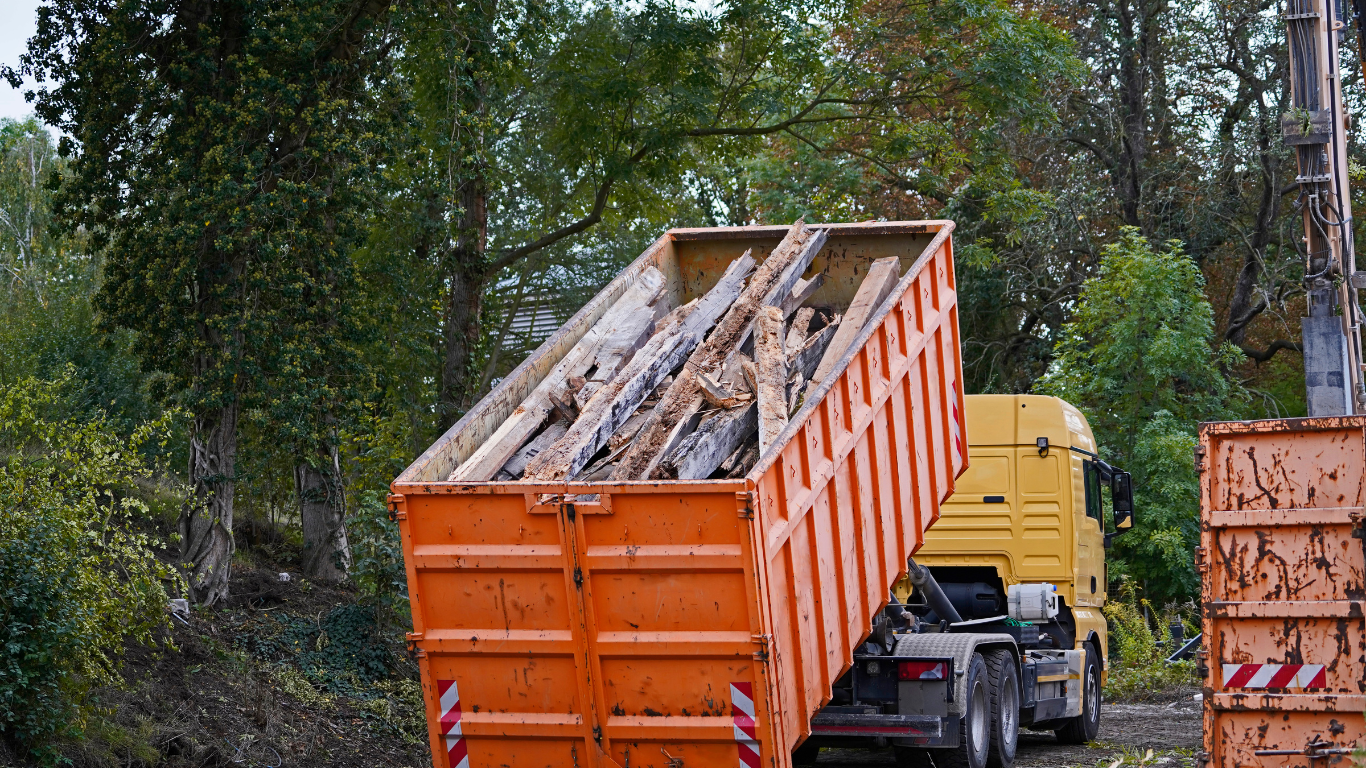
773,279
528,417
711,445
613,404
876,287
631,332
770,363
803,290
516,466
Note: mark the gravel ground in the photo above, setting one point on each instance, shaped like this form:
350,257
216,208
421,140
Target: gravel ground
1172,731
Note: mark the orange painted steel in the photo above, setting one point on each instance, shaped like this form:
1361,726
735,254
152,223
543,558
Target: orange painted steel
1283,563
688,623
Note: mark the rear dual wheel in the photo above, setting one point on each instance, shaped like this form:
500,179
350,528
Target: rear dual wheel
990,726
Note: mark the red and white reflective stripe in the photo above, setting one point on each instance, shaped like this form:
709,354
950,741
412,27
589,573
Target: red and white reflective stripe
456,748
742,712
1274,676
954,427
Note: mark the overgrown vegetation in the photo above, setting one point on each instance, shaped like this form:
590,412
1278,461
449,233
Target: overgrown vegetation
78,580
1139,670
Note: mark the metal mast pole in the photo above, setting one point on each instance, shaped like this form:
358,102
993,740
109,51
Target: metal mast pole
1315,126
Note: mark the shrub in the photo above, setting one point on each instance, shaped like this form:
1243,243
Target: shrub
1138,659
76,580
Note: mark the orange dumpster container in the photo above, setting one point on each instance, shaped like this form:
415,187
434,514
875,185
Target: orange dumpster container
1283,564
688,623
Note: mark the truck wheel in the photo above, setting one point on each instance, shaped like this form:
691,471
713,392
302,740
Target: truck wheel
1005,708
974,729
1083,727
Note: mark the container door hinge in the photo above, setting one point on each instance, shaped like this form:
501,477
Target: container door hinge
1201,564
1201,665
597,733
578,577
394,512
744,503
1199,458
761,654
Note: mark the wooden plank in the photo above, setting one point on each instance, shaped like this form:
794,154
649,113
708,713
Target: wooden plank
719,439
718,395
531,414
796,335
629,335
611,407
809,356
516,465
876,287
774,279
790,275
615,403
803,290
770,363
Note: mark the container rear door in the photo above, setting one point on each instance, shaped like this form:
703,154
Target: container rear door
619,631
1283,591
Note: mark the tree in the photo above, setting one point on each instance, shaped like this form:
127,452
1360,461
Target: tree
539,123
217,158
1140,357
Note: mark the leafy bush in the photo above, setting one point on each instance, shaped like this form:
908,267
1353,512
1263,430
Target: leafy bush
76,580
338,652
1138,659
377,559
1140,358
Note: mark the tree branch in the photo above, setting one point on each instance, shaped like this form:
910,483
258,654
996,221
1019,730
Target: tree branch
1263,355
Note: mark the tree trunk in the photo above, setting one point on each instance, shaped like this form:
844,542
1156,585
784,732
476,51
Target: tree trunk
206,544
322,512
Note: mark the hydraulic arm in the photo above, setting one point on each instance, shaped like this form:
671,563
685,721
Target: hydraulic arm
1315,127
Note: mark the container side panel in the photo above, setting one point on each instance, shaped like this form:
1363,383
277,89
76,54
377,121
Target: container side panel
1284,573
868,462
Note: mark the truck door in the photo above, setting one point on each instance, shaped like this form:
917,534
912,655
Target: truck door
1091,582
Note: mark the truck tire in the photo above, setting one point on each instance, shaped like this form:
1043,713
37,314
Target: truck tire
1005,708
974,729
1083,727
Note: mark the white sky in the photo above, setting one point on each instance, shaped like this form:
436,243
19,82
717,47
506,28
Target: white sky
18,18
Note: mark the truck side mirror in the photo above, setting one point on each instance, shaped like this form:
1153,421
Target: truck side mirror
1122,499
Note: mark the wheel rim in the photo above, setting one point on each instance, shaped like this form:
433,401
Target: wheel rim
1092,694
1010,711
977,725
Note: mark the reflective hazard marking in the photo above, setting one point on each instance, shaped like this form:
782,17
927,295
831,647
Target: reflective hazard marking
1274,676
742,712
953,423
450,724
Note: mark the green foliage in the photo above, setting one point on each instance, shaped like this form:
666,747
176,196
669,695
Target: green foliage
1138,358
1138,660
76,580
377,558
339,652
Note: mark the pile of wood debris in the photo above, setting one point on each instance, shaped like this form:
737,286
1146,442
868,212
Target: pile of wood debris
699,391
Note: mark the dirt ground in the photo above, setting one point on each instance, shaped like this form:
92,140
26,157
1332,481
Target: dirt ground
1171,731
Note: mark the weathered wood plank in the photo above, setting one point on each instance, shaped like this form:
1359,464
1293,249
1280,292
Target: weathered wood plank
796,335
718,395
773,279
719,439
629,335
877,285
770,362
531,414
516,465
803,290
809,356
613,404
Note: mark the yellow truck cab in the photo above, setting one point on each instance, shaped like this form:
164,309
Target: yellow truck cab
998,625
1027,510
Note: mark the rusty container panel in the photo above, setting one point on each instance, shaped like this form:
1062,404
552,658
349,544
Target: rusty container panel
688,623
1283,566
